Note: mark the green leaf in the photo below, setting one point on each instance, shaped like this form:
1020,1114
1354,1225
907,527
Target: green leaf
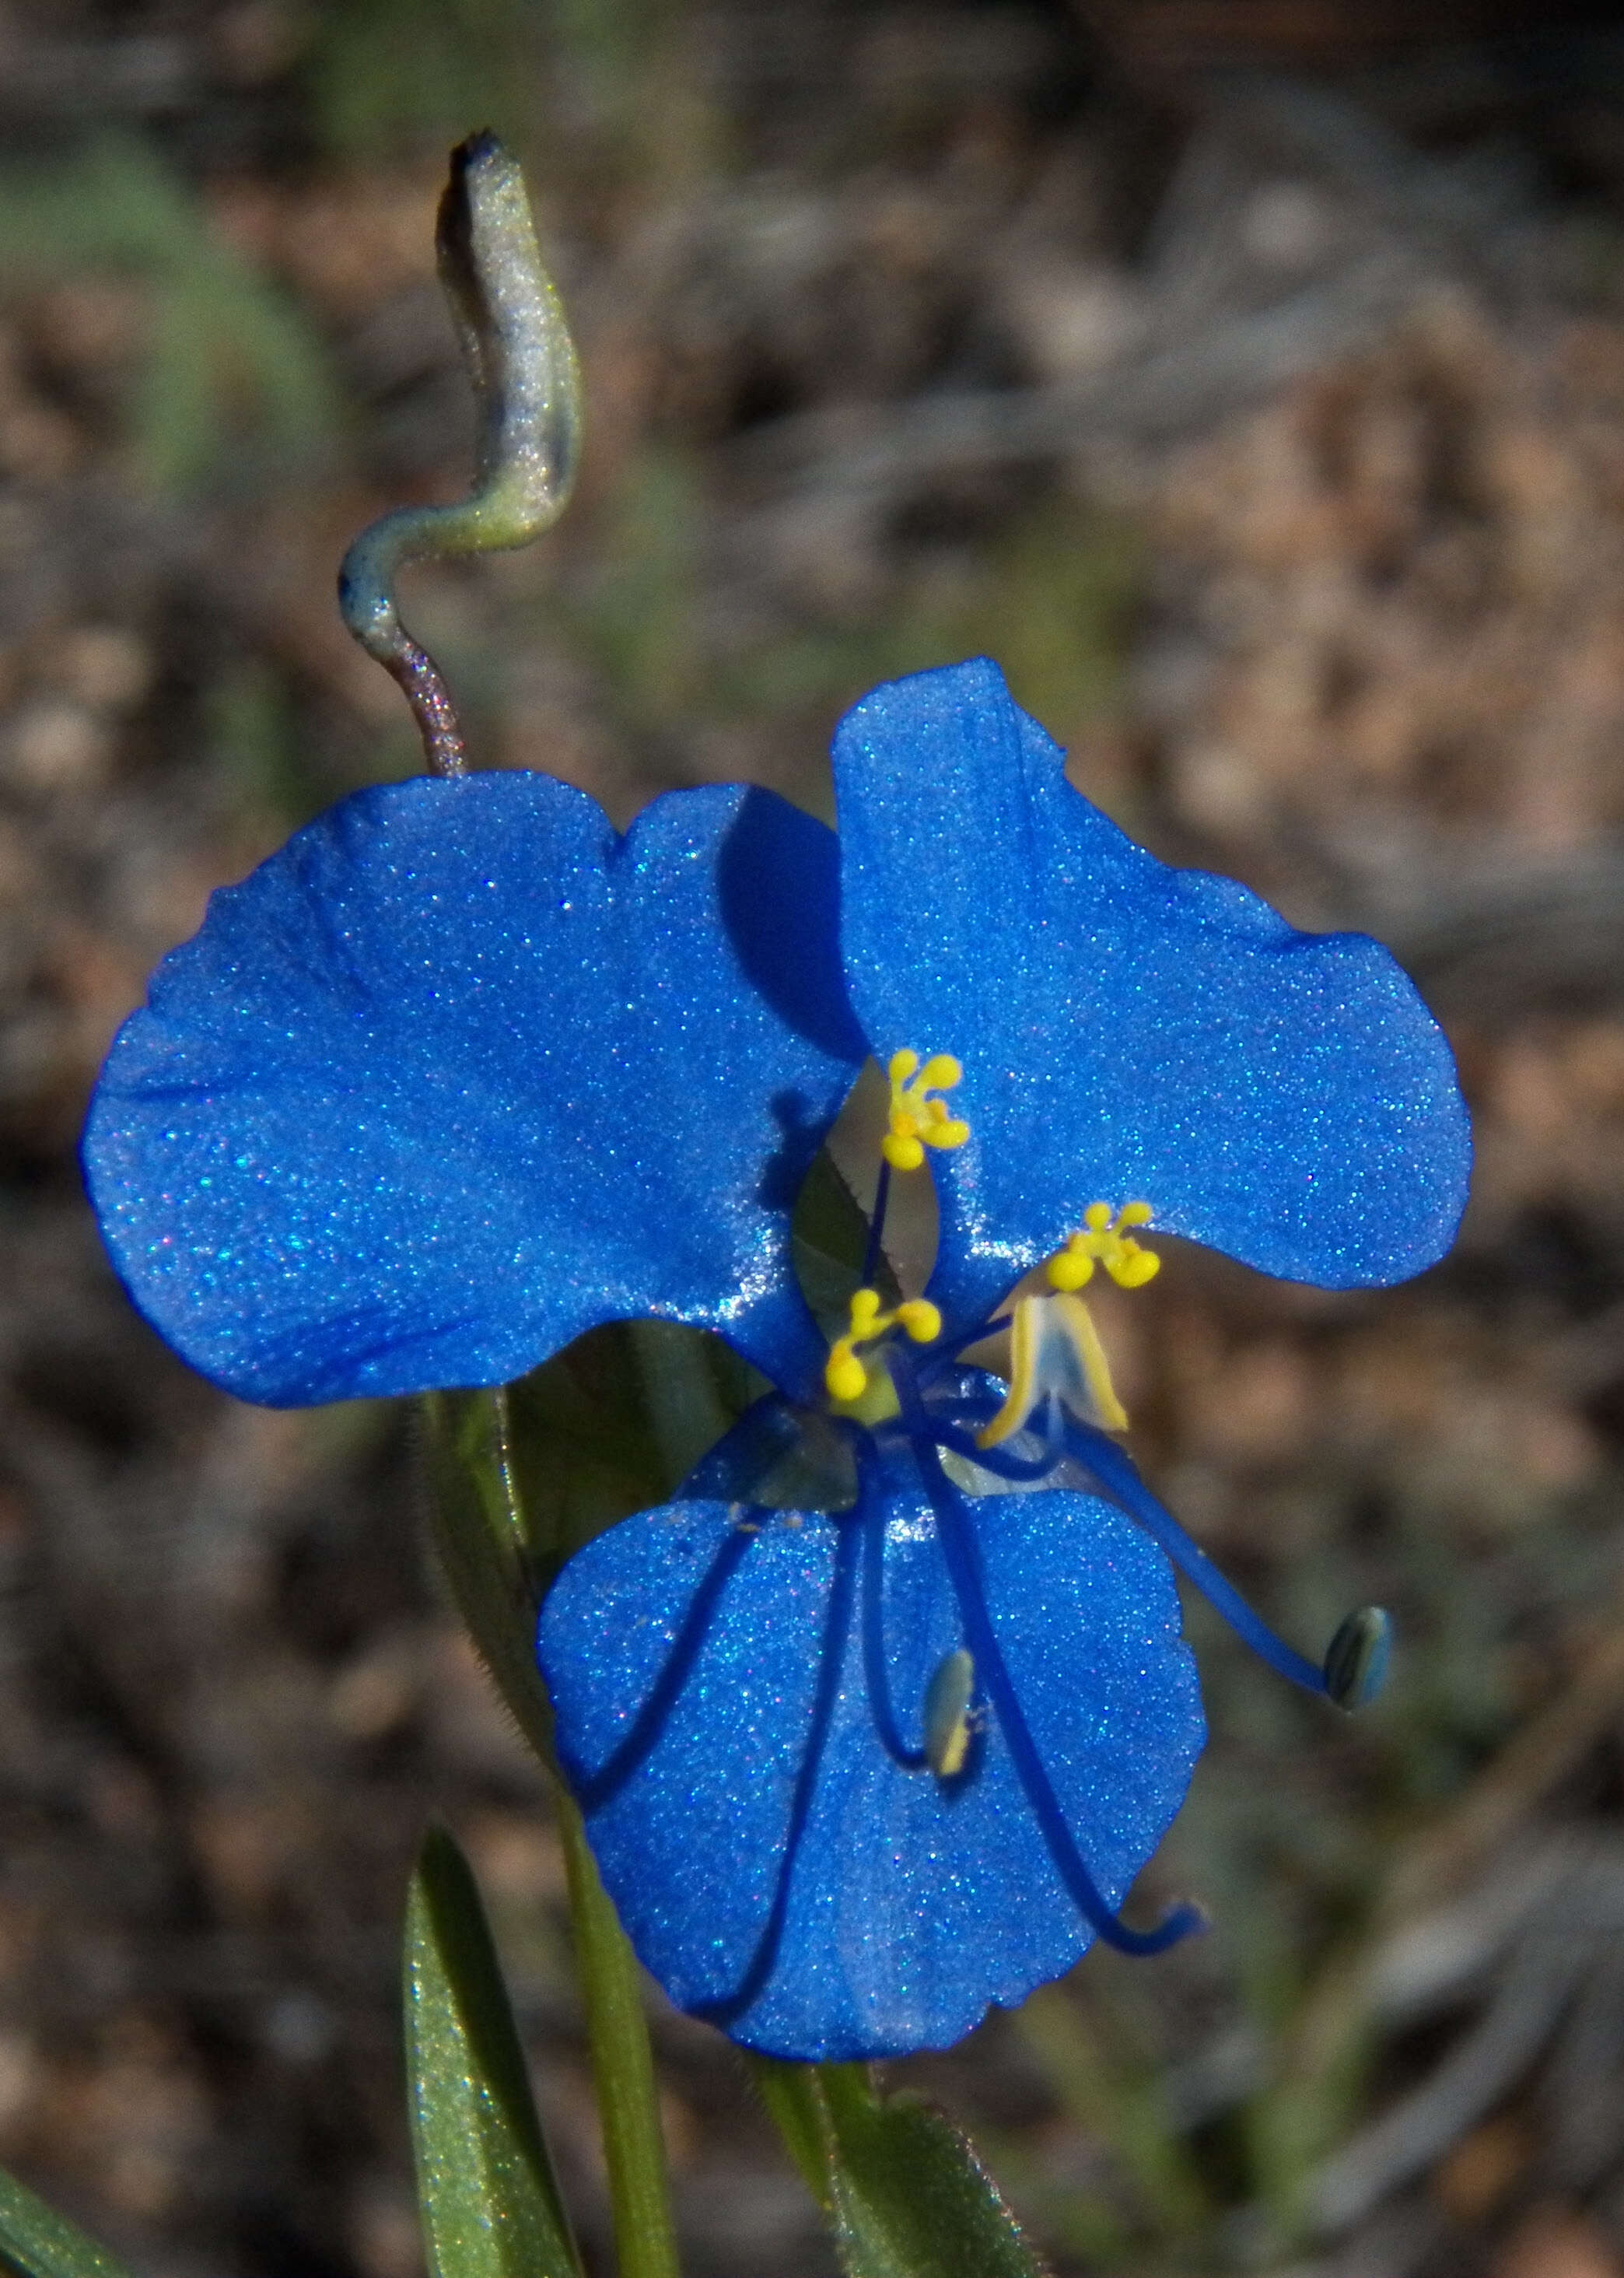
36,2241
490,2206
905,2194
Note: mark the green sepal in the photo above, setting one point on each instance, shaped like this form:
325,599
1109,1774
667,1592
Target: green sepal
904,2193
490,2203
36,2241
606,1427
613,1424
522,1477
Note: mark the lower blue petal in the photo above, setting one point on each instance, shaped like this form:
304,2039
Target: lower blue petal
912,1903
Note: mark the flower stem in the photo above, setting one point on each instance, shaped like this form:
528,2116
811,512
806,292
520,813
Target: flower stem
486,1546
622,2063
522,363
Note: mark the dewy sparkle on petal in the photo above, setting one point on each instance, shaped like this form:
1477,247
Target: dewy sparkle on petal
460,1073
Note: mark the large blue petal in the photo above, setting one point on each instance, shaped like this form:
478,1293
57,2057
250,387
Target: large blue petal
460,1072
1128,1031
686,1663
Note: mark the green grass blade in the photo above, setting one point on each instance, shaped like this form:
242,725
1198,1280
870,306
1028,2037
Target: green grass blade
36,2241
491,2206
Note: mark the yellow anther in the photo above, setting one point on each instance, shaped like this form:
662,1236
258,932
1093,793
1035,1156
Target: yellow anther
917,1119
845,1377
1070,1268
1103,1239
947,1713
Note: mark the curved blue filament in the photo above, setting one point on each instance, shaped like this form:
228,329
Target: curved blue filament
594,1790
1108,1464
831,1660
870,1515
957,1537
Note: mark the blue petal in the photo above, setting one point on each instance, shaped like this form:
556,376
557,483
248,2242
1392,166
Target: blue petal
686,1662
460,1072
1128,1031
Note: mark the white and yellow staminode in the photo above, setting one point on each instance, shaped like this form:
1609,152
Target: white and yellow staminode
851,1380
1055,1348
919,1118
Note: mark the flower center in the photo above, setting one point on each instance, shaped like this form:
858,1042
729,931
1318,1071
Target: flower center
854,1386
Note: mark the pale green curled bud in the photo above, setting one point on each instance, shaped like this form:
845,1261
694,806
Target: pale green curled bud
522,363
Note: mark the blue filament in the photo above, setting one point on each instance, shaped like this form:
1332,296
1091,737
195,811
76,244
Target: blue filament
1107,1463
957,1537
999,1461
832,1655
870,1516
594,1790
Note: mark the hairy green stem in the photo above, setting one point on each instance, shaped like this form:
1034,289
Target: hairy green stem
622,2063
487,1549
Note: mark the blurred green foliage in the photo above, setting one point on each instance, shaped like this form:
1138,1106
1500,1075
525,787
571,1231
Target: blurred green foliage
391,75
566,81
233,386
1051,591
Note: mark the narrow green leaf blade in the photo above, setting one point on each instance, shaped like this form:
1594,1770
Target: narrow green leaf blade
491,2206
36,2241
906,2194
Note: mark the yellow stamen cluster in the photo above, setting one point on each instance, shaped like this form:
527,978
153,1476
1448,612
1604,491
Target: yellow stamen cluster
919,1119
845,1375
1104,1241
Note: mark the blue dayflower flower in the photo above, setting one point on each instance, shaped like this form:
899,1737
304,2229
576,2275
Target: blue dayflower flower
461,1073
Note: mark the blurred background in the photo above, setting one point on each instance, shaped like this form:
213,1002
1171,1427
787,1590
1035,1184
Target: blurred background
1248,377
